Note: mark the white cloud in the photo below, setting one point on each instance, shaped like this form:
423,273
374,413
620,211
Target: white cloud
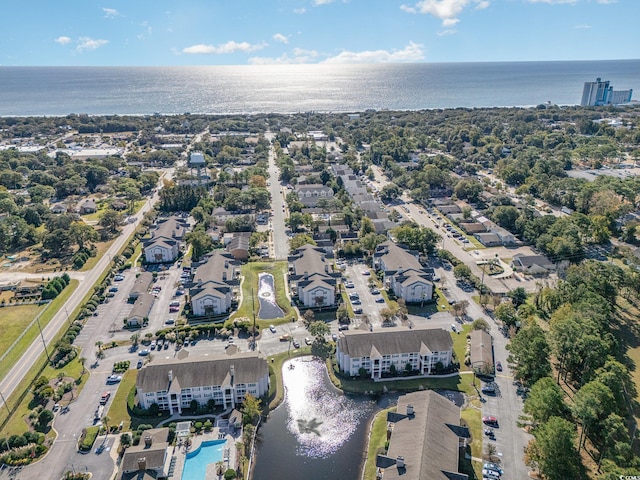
62,40
443,33
110,13
411,53
88,44
229,47
607,2
446,10
322,2
582,26
299,11
278,37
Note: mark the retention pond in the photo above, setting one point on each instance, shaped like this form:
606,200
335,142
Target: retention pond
318,432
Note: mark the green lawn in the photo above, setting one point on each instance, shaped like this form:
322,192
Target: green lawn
473,419
250,307
118,411
377,440
442,302
459,346
15,319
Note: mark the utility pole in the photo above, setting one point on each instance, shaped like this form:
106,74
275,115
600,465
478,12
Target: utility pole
42,337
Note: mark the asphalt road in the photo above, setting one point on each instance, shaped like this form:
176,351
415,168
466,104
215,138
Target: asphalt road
279,241
506,406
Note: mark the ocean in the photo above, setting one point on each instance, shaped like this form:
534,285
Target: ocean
249,89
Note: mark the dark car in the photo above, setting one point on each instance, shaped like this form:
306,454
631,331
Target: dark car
499,366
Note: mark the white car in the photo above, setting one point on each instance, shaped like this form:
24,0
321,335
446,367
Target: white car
272,328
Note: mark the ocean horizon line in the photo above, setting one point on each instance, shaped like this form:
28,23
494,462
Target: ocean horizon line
376,64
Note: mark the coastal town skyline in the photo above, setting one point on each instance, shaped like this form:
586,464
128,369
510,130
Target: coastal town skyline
315,31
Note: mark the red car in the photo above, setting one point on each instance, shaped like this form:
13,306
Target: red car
492,421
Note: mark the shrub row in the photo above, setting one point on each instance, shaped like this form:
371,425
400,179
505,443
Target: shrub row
54,287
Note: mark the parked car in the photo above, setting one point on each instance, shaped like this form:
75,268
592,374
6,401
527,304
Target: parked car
493,466
492,421
357,311
499,366
144,352
334,337
380,300
366,273
169,321
308,341
343,327
296,344
105,398
113,289
174,303
118,278
272,328
139,364
490,474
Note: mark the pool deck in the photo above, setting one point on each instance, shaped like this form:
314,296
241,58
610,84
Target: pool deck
216,433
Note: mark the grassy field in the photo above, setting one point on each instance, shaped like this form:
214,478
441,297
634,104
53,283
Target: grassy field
377,439
118,411
473,419
459,346
248,308
14,319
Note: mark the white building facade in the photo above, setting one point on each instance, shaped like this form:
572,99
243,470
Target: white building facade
419,351
172,384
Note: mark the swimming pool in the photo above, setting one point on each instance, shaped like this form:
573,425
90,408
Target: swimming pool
195,463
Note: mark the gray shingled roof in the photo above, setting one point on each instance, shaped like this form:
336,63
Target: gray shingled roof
396,257
142,283
219,262
311,260
481,350
425,439
143,305
388,341
196,371
153,455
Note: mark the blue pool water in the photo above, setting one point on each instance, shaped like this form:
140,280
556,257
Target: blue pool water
195,463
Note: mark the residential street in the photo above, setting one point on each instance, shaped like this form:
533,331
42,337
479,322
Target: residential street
280,241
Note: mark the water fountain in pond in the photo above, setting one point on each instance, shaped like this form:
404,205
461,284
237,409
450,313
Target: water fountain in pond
267,296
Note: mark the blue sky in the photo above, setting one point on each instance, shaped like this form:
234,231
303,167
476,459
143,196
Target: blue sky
240,32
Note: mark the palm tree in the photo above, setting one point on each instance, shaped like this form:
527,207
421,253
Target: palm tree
105,421
82,360
220,469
